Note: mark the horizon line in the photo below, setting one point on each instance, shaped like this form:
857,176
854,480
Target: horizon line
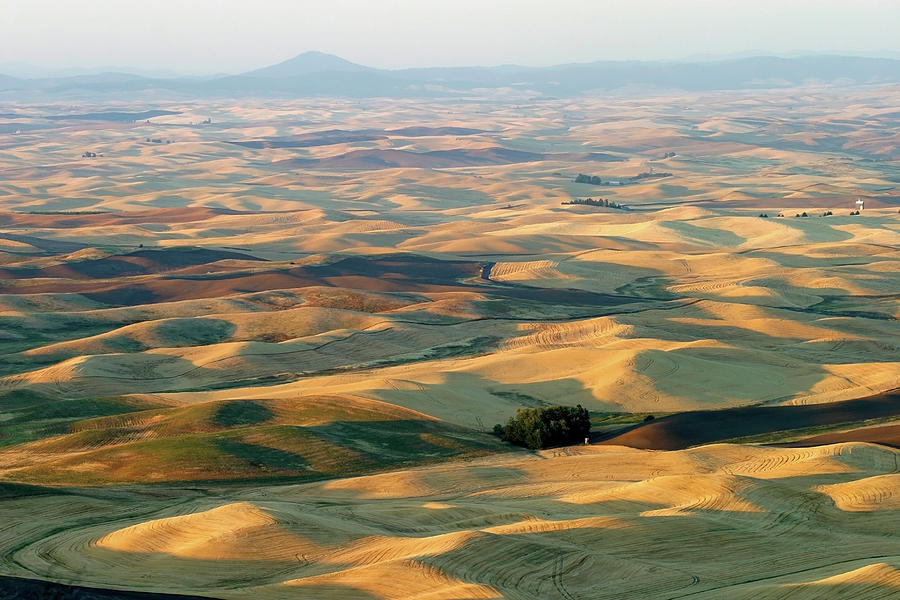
162,73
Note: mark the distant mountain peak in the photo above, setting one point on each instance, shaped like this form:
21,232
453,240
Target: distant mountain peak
308,63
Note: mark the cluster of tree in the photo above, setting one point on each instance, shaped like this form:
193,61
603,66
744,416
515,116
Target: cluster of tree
827,213
764,215
544,427
854,212
595,180
592,179
157,141
90,154
648,175
606,203
669,155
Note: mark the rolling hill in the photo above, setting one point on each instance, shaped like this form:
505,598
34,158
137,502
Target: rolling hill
316,73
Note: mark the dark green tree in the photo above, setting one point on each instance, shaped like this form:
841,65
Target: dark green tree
544,427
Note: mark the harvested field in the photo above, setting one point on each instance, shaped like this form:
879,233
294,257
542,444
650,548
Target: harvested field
139,262
75,220
414,274
338,136
515,526
366,160
255,349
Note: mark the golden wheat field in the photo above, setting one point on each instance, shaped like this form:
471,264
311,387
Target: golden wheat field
261,356
720,521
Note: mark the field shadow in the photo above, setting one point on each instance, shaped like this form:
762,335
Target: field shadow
19,588
694,428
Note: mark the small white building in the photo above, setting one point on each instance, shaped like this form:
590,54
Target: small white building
859,204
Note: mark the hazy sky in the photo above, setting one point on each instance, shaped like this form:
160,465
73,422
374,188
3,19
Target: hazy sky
204,36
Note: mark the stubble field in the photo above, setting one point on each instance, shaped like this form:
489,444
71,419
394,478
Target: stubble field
296,324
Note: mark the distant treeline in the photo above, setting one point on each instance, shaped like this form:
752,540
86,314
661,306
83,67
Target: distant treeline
592,179
597,180
648,175
598,202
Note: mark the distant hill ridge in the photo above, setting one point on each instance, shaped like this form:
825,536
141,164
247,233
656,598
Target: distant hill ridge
317,73
308,63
